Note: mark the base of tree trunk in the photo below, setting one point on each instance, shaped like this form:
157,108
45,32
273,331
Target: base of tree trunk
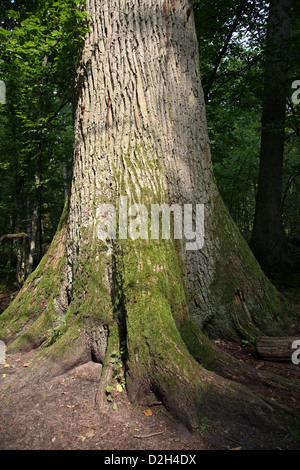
166,356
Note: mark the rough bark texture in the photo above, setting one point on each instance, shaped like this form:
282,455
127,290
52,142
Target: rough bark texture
140,132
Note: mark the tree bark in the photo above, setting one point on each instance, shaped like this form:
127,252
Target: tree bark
140,132
269,242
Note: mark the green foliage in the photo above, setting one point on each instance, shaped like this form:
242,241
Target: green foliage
40,47
251,342
234,105
118,376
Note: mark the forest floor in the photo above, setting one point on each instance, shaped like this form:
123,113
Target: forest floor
61,414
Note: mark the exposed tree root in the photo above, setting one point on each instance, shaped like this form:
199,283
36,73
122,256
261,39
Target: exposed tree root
200,396
213,358
105,380
241,372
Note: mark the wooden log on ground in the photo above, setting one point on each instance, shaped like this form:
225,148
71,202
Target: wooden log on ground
278,348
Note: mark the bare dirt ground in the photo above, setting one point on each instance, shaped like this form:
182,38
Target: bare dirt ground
61,414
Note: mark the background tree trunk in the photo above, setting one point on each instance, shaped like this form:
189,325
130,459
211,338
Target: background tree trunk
269,242
140,132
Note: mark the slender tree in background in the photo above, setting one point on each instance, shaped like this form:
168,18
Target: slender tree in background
140,132
269,241
234,105
222,53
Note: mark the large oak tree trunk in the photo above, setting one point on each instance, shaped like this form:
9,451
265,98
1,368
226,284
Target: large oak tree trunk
140,132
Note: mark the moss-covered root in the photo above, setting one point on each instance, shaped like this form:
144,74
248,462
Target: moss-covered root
159,349
66,352
34,315
217,360
195,396
244,301
110,370
192,394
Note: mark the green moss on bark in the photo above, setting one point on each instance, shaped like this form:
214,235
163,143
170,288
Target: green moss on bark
241,287
154,302
28,320
198,344
30,315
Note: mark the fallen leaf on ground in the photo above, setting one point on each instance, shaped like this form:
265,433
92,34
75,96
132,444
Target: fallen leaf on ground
119,388
147,412
4,375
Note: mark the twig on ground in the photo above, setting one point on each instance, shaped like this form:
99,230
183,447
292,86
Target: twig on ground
232,440
149,435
